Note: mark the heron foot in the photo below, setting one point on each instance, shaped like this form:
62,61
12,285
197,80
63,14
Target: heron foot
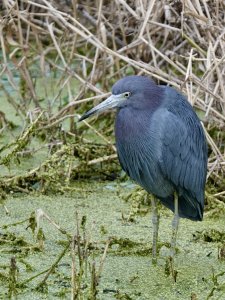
154,261
169,268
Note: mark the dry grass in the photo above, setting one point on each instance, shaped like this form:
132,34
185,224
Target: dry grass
180,43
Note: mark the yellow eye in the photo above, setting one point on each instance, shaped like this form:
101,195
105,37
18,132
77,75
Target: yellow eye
127,94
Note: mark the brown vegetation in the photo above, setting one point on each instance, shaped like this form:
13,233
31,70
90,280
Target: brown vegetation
180,43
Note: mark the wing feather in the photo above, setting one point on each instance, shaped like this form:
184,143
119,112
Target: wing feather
184,160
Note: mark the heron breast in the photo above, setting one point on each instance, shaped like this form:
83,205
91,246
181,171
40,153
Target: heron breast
139,149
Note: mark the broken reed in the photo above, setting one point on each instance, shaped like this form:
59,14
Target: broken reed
95,43
85,272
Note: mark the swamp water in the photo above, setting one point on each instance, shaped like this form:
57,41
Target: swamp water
127,270
26,256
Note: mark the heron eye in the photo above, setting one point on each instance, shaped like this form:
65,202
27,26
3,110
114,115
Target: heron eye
127,94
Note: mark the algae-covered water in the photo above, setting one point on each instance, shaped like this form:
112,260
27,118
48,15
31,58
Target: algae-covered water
127,270
30,245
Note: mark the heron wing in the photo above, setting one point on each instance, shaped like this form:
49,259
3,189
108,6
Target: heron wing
183,158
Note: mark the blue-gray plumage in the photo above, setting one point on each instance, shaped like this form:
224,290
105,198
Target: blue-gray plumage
160,142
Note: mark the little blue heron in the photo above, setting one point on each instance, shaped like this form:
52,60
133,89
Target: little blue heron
161,145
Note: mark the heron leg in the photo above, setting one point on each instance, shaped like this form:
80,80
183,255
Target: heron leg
155,223
175,224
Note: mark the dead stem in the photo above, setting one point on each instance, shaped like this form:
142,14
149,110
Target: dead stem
92,46
41,285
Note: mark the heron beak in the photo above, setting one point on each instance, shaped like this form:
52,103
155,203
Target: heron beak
110,102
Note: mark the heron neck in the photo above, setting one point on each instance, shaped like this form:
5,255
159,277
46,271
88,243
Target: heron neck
131,124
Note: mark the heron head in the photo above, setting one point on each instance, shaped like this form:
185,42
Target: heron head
124,92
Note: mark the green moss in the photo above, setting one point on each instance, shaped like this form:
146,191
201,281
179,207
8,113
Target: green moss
210,235
127,267
50,179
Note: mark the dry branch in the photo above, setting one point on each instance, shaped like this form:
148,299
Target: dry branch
177,43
